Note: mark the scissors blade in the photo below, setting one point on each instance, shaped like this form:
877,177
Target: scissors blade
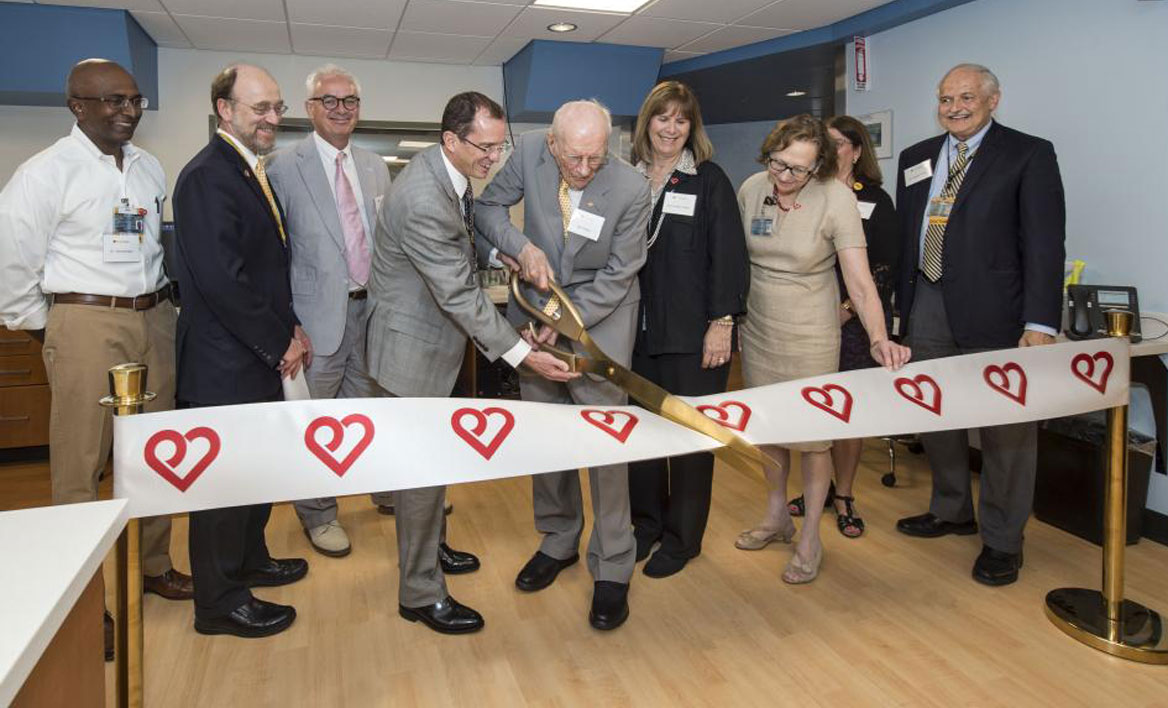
738,452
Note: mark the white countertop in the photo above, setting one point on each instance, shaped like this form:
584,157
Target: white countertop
49,555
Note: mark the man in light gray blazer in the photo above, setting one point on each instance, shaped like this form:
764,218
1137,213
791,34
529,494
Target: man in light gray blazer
587,213
425,301
331,191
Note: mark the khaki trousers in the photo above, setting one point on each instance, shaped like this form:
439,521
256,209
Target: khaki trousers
81,343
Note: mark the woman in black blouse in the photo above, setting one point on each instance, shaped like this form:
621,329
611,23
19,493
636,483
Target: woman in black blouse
692,287
859,171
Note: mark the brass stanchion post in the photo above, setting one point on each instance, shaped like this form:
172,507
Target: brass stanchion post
1105,620
127,386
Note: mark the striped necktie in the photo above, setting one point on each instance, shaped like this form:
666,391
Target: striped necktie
932,265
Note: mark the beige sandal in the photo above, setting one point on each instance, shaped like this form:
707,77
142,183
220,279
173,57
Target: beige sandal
760,537
799,571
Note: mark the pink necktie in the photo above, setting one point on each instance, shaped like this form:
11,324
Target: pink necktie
356,245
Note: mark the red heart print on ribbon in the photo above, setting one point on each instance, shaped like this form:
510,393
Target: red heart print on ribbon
168,469
473,436
605,420
999,379
339,429
913,390
1083,366
822,398
722,416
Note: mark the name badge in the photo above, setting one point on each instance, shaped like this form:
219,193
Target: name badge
123,243
680,204
586,224
762,226
918,172
866,209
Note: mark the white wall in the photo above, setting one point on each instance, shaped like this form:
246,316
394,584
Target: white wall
391,90
1087,75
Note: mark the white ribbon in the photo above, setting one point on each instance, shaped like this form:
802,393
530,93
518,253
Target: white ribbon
202,458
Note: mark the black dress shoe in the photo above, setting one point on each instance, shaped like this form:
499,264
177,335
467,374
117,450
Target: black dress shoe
929,526
254,618
447,616
541,570
108,636
610,605
388,509
454,562
994,567
662,565
644,544
277,571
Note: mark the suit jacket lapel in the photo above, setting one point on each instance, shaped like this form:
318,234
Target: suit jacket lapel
368,181
983,160
254,183
548,206
920,191
594,201
317,181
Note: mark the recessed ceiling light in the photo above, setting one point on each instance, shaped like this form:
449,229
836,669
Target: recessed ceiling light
562,27
796,94
601,5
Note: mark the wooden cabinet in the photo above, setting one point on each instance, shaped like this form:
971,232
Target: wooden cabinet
24,392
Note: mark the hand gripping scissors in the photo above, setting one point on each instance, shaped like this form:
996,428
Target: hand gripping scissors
561,315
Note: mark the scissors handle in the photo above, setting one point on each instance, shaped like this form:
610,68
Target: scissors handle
559,314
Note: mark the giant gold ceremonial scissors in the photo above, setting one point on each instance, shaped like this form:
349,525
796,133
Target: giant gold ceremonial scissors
562,316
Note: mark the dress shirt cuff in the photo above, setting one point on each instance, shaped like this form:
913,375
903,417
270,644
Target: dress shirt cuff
36,318
1034,327
516,354
493,258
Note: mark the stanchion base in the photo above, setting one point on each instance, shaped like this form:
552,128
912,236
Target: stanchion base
1082,614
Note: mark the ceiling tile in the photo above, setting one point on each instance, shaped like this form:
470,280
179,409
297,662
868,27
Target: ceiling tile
144,5
807,14
724,11
533,23
162,29
427,46
730,37
236,35
377,14
679,56
451,17
657,32
340,41
236,9
500,51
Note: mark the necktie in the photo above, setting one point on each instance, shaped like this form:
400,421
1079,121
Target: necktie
565,206
932,263
468,216
262,178
356,244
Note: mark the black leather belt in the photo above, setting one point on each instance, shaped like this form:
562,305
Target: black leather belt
139,303
358,294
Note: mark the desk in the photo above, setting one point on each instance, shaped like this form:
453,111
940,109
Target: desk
52,556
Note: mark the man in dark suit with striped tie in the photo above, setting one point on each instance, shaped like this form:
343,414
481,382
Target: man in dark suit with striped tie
984,224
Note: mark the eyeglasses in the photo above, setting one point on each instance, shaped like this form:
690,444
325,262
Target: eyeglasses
594,162
117,102
262,109
330,103
490,149
779,167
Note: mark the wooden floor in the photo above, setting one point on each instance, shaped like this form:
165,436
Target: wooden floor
891,620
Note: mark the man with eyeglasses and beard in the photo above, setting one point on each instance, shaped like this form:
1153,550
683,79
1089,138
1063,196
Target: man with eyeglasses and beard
588,213
237,335
79,242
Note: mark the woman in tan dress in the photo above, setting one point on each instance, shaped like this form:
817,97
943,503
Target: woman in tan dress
799,219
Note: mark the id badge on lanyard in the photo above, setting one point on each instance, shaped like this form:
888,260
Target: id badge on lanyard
123,242
939,208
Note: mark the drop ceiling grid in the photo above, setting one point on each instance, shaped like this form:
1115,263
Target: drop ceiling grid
481,32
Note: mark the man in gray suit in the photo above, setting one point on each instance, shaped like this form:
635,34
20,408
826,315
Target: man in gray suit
588,213
425,301
331,191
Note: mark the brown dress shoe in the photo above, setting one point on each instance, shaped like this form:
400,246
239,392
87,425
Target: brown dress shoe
172,585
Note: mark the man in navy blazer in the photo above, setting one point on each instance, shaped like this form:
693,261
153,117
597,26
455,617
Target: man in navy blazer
983,228
237,335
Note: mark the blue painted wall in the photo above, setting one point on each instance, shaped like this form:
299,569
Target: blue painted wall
40,43
545,74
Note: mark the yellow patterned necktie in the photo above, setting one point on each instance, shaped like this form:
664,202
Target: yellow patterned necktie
565,206
262,178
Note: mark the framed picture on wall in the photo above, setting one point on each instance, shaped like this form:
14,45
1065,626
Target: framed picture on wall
879,127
